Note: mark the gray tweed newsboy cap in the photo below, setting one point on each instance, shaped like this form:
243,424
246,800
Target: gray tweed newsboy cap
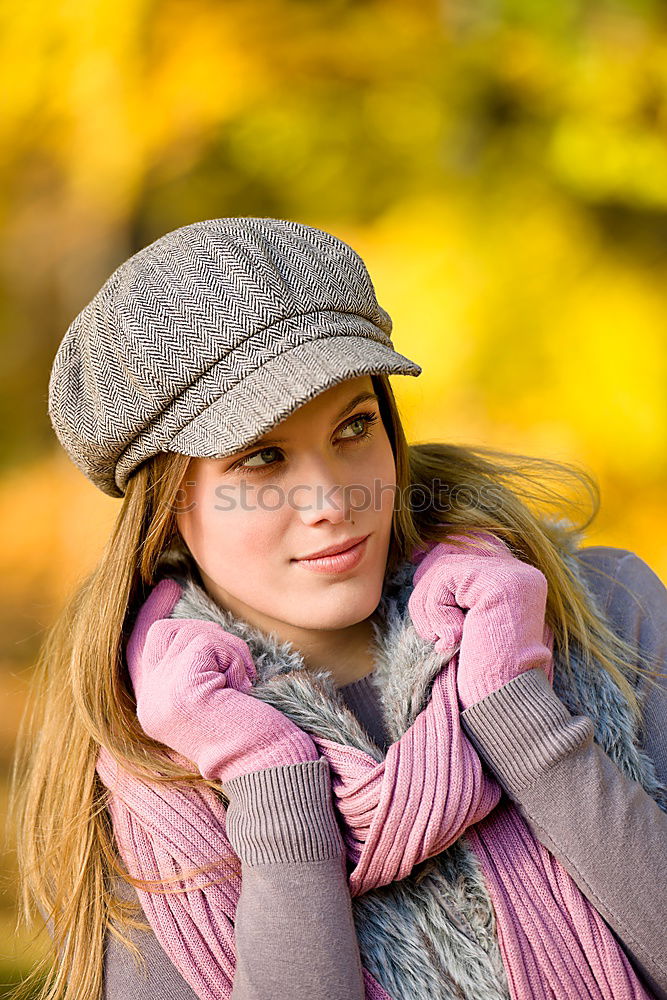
208,337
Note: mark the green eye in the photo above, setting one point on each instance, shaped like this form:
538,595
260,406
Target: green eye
255,454
358,420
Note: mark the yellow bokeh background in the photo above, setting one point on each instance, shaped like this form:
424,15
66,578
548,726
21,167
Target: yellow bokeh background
501,168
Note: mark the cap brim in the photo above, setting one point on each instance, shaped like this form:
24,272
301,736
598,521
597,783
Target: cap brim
274,390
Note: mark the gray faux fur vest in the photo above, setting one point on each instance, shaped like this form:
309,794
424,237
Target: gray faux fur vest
431,935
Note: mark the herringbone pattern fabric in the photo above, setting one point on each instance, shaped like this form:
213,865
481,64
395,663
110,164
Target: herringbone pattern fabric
209,336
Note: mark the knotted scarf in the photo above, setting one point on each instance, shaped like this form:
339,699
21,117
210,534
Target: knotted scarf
428,792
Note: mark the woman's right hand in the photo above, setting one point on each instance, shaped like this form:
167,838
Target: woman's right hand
189,678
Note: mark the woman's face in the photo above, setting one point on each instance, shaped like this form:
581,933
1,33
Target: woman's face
250,519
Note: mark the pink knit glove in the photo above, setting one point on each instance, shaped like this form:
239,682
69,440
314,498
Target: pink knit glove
493,605
189,678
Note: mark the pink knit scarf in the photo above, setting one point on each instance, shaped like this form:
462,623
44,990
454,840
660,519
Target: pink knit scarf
428,791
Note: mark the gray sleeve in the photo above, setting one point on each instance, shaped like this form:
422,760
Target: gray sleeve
295,934
123,979
294,931
635,599
606,831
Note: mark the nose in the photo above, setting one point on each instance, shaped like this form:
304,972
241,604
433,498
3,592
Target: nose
320,494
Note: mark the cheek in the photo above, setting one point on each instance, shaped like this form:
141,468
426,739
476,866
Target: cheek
378,476
243,558
232,535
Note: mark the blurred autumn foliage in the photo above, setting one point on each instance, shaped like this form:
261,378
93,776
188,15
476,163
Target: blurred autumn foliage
500,166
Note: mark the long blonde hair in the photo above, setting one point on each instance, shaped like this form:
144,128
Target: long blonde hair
80,695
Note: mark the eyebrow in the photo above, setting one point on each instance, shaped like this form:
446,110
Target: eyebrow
361,397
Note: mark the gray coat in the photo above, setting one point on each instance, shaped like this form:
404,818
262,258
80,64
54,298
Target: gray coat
578,801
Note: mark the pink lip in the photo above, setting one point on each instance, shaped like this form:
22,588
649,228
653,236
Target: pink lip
333,550
337,562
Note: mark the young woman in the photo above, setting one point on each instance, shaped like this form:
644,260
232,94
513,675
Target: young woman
431,765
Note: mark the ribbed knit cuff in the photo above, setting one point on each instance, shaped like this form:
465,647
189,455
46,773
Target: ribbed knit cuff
524,728
283,814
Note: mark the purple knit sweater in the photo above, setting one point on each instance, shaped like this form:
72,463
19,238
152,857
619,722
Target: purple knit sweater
294,931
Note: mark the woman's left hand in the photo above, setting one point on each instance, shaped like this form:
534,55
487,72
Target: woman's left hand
488,605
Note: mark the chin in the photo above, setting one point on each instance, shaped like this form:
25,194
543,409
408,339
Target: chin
331,623
344,613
